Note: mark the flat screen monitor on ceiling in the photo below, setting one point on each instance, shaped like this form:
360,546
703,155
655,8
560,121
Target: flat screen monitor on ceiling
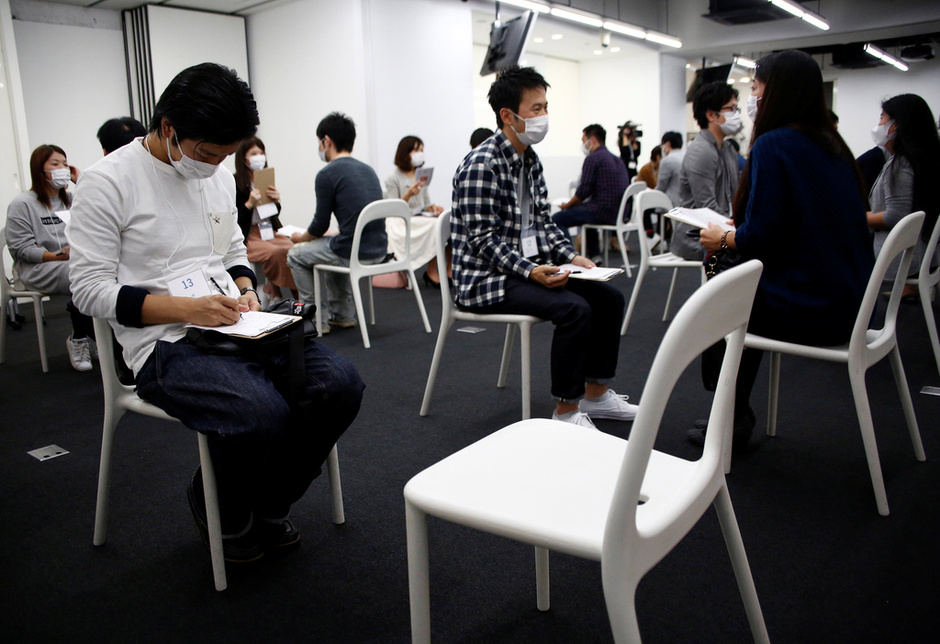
507,43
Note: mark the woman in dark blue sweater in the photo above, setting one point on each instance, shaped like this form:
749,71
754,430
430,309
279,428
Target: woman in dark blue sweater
800,208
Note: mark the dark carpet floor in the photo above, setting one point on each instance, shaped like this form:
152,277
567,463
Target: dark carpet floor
827,567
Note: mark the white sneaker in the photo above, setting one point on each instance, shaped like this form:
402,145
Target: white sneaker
610,405
575,418
79,353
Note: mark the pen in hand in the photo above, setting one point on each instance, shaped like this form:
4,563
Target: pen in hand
221,290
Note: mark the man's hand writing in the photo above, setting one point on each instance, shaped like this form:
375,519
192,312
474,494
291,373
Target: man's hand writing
214,310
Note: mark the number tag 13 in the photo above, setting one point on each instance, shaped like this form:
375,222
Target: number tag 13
191,283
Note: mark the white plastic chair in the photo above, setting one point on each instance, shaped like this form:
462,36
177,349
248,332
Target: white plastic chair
450,314
356,270
620,227
619,502
865,348
642,202
120,398
927,281
8,293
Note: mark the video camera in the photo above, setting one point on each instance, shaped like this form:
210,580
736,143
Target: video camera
631,128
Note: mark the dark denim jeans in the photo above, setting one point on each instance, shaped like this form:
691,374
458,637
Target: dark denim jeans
576,216
587,318
264,455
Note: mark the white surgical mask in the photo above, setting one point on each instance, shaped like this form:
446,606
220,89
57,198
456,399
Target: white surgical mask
732,124
879,134
535,129
586,148
321,152
417,159
187,167
60,178
752,107
257,162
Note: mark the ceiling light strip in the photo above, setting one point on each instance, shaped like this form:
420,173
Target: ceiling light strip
798,11
871,50
528,4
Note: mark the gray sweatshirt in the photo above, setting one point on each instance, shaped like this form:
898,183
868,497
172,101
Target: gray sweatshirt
32,229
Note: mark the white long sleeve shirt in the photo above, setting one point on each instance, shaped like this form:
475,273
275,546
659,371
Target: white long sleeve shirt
135,222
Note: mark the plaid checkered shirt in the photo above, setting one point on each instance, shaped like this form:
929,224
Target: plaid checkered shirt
486,222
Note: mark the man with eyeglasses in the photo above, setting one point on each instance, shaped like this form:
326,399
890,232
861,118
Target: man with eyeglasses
709,174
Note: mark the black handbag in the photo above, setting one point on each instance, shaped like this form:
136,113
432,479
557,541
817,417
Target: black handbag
715,262
289,339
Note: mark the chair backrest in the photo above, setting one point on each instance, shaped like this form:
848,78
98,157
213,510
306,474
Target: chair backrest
901,241
109,378
926,275
6,285
634,188
643,201
637,536
440,241
382,209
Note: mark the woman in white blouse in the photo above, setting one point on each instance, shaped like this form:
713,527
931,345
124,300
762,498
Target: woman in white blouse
401,184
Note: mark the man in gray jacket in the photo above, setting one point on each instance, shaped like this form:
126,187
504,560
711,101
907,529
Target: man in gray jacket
709,174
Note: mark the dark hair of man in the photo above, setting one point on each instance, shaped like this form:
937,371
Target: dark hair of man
793,97
674,139
341,130
116,133
711,97
403,154
207,102
510,84
40,182
243,173
597,132
480,135
656,154
916,140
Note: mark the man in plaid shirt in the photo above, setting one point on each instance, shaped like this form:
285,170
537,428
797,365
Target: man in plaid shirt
506,248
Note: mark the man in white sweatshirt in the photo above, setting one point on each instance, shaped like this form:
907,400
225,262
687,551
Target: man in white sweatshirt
155,245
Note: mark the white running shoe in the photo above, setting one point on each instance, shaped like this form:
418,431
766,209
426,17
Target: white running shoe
575,418
610,405
79,353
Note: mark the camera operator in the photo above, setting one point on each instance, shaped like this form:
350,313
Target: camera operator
630,146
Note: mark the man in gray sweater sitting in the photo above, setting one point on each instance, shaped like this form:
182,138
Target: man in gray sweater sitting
343,188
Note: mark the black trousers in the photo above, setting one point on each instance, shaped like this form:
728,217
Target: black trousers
587,317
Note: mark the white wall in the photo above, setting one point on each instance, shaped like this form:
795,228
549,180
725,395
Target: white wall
858,95
421,84
672,88
73,80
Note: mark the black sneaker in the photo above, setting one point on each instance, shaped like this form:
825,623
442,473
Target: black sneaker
240,549
743,427
277,536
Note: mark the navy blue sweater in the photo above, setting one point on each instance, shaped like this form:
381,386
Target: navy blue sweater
806,222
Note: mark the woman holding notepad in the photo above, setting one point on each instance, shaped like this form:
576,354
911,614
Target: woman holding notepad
800,209
259,222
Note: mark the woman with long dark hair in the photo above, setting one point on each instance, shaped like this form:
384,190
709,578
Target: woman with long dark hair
401,184
263,244
910,178
800,209
35,233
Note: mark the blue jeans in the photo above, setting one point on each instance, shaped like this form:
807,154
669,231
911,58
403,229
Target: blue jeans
265,456
587,317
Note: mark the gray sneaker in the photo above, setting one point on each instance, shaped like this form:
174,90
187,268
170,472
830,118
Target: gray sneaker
79,353
575,418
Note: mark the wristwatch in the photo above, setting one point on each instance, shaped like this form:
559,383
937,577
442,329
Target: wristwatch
248,288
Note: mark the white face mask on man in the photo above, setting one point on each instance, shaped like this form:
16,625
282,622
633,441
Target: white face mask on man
257,162
586,147
536,128
59,178
188,167
732,124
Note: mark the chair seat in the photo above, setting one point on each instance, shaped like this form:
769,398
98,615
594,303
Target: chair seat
495,318
547,483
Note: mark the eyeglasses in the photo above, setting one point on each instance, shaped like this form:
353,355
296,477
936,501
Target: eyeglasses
731,110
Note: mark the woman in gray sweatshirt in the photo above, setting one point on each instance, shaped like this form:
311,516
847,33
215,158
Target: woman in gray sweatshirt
35,234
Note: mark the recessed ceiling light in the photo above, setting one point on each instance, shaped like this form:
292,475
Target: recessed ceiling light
614,50
745,79
538,40
598,52
557,36
688,66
